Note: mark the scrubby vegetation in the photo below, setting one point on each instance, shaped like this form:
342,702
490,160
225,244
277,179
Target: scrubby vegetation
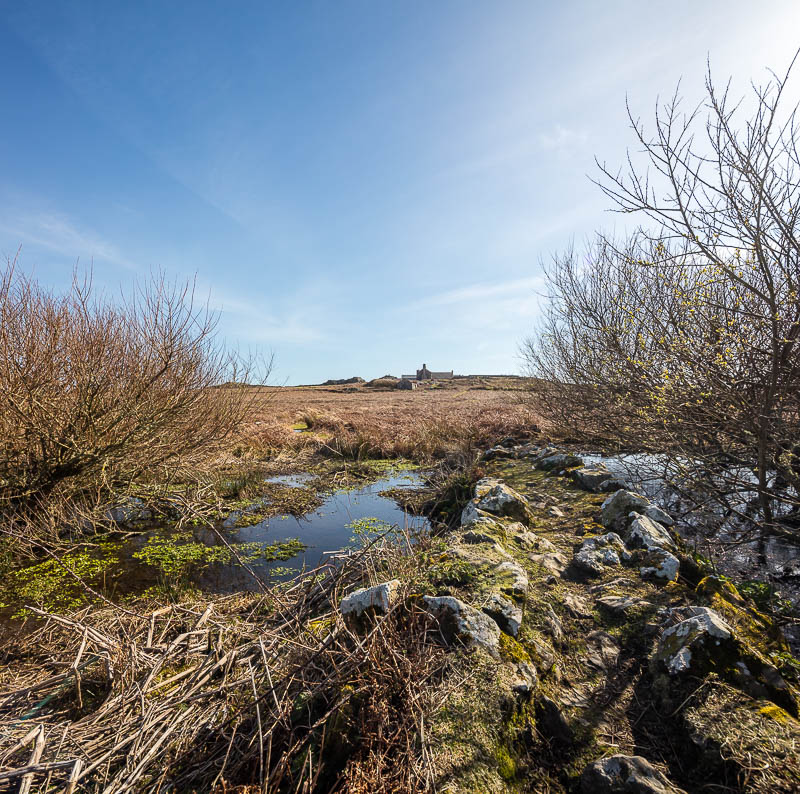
97,396
683,337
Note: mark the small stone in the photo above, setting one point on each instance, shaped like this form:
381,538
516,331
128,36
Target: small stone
526,678
529,540
554,627
625,774
595,554
376,600
602,650
576,606
556,512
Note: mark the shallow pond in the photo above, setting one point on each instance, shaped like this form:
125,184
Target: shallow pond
162,557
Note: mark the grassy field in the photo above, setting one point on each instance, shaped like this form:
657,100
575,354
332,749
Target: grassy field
359,421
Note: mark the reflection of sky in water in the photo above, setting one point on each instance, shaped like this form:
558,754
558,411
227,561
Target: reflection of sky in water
323,531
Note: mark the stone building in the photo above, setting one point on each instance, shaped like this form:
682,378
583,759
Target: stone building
426,374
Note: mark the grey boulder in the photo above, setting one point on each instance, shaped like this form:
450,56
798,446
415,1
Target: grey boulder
460,622
625,774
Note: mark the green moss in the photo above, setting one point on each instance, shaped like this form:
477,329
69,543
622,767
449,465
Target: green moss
506,765
720,586
452,572
512,650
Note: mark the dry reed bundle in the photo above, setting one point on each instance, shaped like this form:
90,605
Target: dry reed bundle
269,692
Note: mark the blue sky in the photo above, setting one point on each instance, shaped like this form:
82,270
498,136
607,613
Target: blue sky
357,186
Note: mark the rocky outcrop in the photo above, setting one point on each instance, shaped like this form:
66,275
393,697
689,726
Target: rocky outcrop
697,638
500,500
546,641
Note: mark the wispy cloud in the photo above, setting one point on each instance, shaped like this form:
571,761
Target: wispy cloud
56,232
562,139
252,322
481,292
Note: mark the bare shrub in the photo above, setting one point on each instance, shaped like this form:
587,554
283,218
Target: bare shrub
95,394
685,337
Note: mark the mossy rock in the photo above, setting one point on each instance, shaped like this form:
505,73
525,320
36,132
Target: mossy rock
743,743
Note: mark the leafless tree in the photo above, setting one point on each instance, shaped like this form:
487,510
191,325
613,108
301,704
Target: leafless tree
685,336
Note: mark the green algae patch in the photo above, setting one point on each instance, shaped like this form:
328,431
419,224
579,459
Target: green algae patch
55,585
175,558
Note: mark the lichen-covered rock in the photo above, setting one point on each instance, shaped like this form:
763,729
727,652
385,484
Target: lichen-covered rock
525,679
594,478
377,600
460,622
595,554
625,774
504,612
617,508
533,542
513,578
659,564
698,639
644,533
500,500
558,462
471,514
484,485
619,605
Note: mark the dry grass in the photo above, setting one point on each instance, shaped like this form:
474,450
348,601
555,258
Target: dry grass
247,693
359,422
